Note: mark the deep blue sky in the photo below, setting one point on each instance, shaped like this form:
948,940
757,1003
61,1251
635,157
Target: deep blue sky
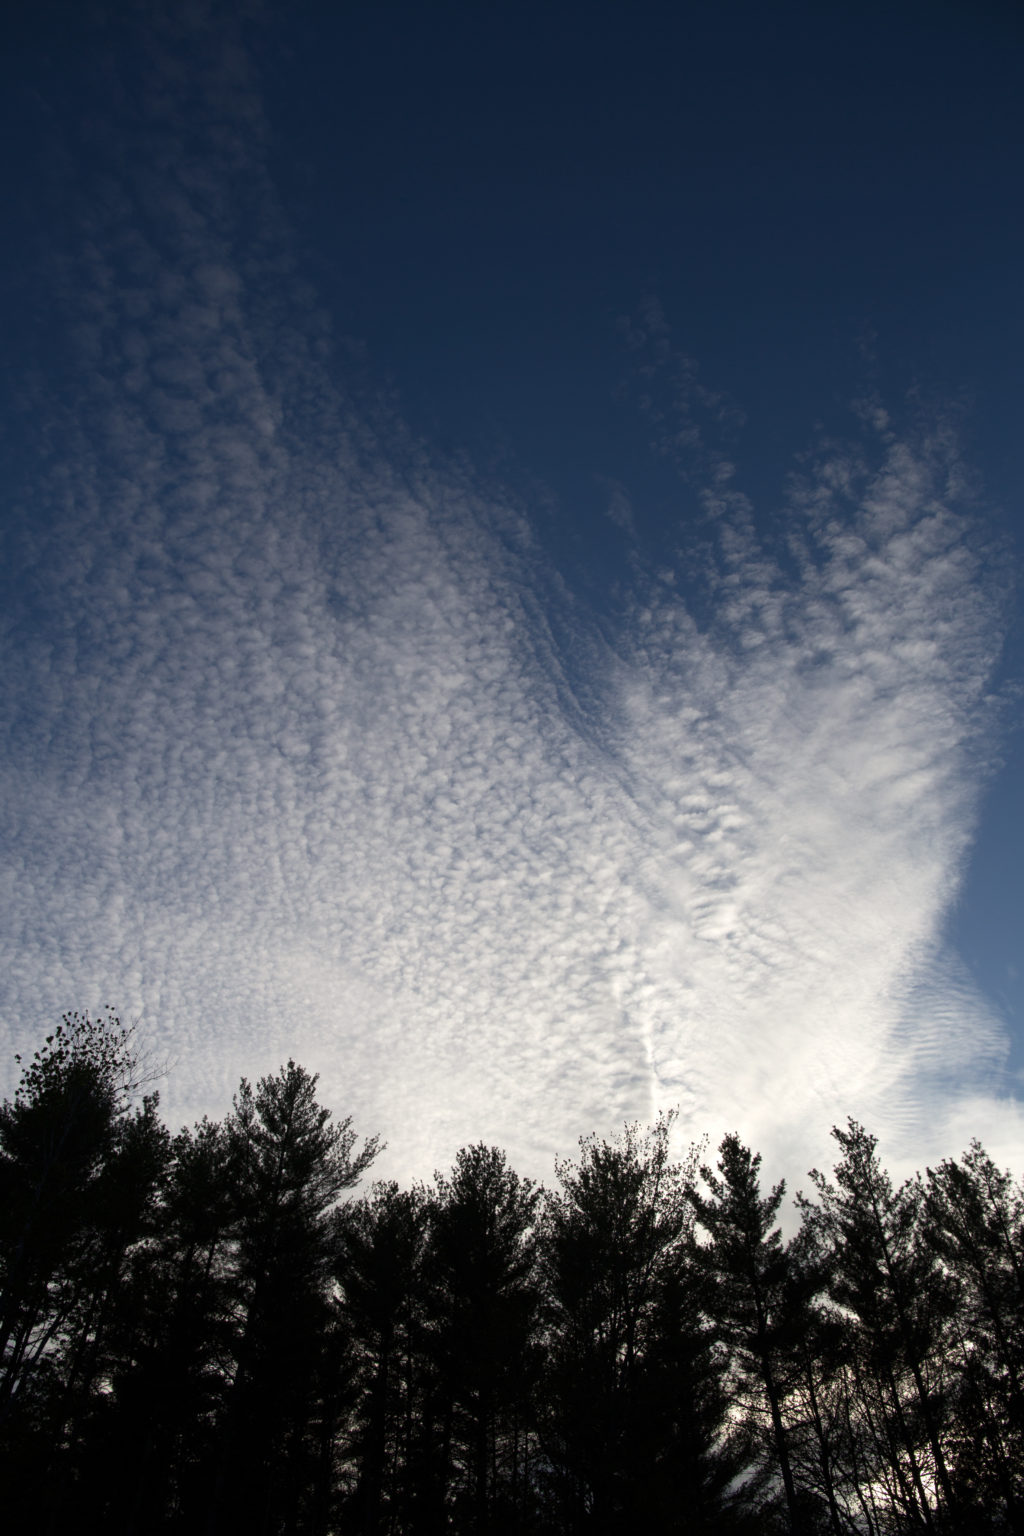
486,194
587,287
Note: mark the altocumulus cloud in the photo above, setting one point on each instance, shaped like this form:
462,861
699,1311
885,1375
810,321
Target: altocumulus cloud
295,763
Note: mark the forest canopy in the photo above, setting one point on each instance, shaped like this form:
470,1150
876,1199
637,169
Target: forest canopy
229,1329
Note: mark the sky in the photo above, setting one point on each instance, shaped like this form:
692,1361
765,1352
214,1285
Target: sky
511,542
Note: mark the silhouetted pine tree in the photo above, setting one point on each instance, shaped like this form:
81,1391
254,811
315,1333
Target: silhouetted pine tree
751,1280
287,1168
480,1343
379,1245
197,1335
631,1416
86,1442
174,1334
78,1172
897,1304
823,1441
974,1222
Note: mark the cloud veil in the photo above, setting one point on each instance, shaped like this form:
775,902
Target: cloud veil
300,760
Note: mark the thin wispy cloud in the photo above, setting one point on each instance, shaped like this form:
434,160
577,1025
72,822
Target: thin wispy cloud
299,760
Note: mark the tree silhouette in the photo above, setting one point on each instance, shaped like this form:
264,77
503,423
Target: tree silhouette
175,1331
974,1222
630,1415
79,1170
287,1167
202,1333
898,1305
379,1246
482,1304
750,1272
54,1139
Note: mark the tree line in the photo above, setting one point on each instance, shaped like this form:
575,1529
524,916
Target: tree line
216,1332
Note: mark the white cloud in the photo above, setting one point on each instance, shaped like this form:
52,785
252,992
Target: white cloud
295,764
812,762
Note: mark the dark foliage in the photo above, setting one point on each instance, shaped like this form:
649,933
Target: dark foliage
210,1333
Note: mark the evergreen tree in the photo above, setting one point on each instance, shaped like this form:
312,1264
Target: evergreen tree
85,1431
379,1270
287,1167
78,1173
175,1336
632,1421
750,1274
898,1304
481,1314
974,1222
198,1334
825,1440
